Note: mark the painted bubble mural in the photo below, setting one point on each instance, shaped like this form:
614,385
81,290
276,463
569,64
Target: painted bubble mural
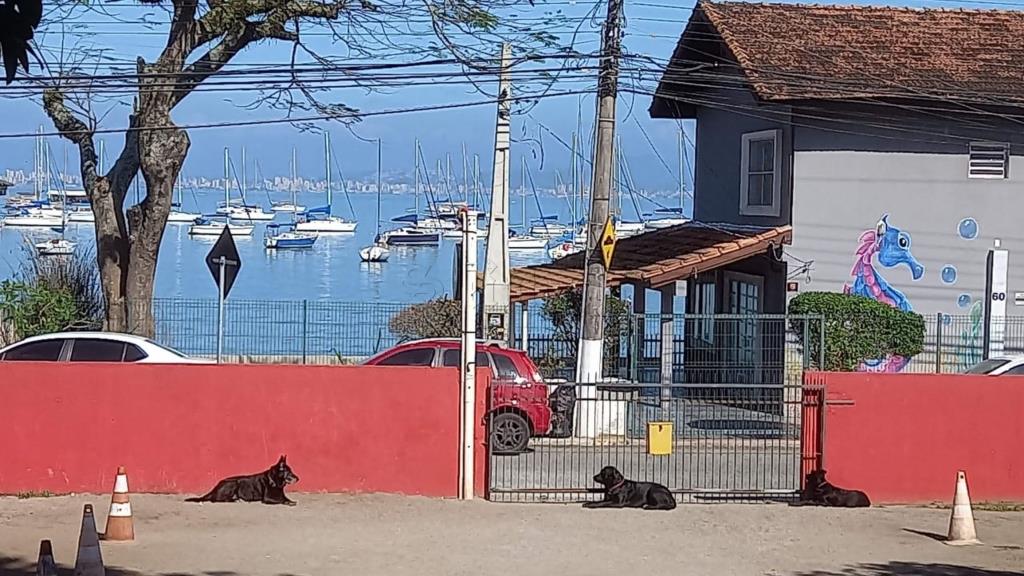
949,274
968,229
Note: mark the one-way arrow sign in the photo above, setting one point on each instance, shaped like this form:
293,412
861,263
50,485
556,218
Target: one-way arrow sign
224,253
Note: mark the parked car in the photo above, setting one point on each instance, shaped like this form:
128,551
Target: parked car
520,395
93,347
999,366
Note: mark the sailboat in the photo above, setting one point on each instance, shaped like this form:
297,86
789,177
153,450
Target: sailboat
58,246
417,233
286,236
38,213
320,219
214,225
378,251
239,209
665,217
518,241
286,205
177,215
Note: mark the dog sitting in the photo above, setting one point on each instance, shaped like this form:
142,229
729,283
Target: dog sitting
819,492
266,487
622,493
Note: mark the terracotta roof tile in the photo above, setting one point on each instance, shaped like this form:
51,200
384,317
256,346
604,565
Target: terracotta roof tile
655,258
794,51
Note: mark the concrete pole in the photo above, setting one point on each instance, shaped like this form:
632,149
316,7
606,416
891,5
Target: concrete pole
468,360
592,338
497,293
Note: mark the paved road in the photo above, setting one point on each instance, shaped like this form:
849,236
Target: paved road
396,536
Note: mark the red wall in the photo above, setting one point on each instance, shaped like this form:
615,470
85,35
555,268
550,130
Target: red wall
182,428
902,437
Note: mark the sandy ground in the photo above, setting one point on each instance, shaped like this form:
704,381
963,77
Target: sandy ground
396,536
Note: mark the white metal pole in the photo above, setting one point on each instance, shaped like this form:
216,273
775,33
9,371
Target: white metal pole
468,360
497,290
220,308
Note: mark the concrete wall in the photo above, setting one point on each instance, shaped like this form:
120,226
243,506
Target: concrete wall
182,428
902,437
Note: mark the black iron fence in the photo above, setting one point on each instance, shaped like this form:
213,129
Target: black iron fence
710,442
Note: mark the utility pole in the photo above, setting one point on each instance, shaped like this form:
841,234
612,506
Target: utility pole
497,294
591,347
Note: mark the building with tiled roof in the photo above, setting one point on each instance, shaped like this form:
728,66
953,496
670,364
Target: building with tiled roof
889,139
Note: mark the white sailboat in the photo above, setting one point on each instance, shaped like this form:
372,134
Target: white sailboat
378,251
214,225
667,217
57,246
240,210
178,215
38,214
320,219
287,237
525,241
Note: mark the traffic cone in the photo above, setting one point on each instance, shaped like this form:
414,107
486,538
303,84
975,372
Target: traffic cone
46,566
119,520
961,521
89,561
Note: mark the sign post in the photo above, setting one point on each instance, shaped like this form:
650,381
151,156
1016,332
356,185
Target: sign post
224,264
468,360
996,269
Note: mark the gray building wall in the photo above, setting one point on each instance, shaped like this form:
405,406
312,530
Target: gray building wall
720,129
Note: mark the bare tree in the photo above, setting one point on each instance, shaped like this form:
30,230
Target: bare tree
203,37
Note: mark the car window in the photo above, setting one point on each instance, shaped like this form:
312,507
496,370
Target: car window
453,356
986,366
133,353
96,350
166,348
41,351
504,367
1015,371
414,357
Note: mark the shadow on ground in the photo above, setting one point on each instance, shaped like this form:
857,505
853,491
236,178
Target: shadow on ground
910,569
17,567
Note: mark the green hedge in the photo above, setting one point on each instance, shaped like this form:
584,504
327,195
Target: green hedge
856,329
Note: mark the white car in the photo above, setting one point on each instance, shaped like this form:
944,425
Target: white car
93,347
999,366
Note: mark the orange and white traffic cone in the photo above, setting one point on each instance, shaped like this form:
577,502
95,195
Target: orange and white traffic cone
961,521
119,520
89,561
46,566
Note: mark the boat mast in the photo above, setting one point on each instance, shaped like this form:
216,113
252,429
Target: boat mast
327,160
244,187
522,191
465,174
416,178
476,180
227,178
682,161
574,205
378,185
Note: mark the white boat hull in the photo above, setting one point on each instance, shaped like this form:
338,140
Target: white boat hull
216,229
327,226
375,253
563,250
659,223
34,221
182,217
288,208
527,243
82,216
549,231
246,214
57,247
627,229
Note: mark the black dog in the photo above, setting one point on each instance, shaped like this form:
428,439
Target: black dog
819,492
622,493
266,487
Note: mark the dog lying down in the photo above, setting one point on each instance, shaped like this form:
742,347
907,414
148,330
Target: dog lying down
266,487
819,492
622,493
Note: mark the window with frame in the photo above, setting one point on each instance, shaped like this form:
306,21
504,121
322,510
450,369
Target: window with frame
704,310
761,173
988,160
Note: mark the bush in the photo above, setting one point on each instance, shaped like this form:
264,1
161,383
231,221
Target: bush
857,329
49,295
439,318
565,314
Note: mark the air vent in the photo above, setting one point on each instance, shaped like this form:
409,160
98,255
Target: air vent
989,160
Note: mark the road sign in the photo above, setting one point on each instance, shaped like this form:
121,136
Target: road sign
225,253
608,243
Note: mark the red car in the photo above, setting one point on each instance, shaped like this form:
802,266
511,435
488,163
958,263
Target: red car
520,396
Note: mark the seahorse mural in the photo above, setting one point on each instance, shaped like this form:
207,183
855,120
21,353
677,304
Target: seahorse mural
891,247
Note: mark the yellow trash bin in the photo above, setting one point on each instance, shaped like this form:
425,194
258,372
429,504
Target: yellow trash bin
659,438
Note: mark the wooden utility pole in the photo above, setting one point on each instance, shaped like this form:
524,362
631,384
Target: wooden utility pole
592,337
497,293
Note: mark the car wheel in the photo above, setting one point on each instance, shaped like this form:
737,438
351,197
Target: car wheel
510,433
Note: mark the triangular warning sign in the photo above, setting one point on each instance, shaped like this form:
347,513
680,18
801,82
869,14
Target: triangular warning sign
608,243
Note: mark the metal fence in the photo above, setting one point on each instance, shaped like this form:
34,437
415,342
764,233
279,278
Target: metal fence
710,443
952,344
